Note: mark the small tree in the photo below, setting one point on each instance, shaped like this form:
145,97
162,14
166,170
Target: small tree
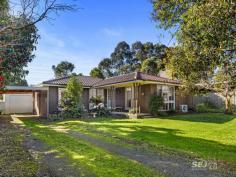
155,103
72,98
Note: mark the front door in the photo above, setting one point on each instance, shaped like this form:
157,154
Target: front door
128,97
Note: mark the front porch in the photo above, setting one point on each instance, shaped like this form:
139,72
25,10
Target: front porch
122,98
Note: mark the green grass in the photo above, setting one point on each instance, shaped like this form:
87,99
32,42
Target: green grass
15,160
90,160
210,136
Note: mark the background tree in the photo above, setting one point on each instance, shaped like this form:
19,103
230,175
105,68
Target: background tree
63,69
206,35
150,66
18,34
96,72
106,67
126,59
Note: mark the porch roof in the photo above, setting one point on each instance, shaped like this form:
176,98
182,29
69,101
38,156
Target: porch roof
135,76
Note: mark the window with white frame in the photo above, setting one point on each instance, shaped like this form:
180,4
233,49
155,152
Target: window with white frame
168,94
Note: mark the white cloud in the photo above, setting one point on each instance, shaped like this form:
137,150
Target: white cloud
112,32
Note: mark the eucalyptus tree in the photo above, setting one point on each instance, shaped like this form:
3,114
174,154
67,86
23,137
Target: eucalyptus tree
204,58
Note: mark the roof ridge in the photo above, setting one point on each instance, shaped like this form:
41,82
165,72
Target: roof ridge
57,79
157,76
120,75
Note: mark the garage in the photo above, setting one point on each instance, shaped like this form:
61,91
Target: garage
20,99
18,103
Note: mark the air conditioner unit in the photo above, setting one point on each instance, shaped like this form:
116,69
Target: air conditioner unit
184,108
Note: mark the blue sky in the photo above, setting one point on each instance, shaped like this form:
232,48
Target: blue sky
86,36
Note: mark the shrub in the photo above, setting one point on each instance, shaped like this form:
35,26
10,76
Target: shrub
206,108
96,100
133,111
155,103
171,111
210,104
71,101
101,111
201,108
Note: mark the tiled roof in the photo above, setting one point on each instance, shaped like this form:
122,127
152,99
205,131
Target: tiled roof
134,76
87,81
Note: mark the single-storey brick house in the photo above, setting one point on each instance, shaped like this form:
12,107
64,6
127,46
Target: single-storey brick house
124,92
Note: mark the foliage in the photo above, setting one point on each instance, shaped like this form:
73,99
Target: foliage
63,69
133,111
71,101
14,58
126,59
201,108
96,100
155,103
207,108
102,164
150,66
96,72
171,111
204,56
18,35
101,111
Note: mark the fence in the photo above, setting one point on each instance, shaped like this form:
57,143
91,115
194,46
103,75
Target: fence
192,101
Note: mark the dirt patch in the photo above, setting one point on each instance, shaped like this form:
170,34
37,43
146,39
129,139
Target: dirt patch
15,160
51,163
22,155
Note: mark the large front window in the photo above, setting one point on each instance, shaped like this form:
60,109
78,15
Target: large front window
168,94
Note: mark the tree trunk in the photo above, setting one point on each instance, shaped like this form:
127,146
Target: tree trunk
228,105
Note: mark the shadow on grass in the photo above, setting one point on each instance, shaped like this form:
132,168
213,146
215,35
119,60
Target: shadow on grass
91,160
155,137
218,118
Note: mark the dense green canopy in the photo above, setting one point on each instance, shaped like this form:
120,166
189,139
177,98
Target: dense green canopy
206,36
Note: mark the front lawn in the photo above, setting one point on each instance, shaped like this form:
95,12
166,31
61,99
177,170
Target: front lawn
87,158
210,136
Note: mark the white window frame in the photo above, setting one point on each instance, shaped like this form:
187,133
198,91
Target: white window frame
167,101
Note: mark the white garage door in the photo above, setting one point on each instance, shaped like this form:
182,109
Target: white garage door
19,103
